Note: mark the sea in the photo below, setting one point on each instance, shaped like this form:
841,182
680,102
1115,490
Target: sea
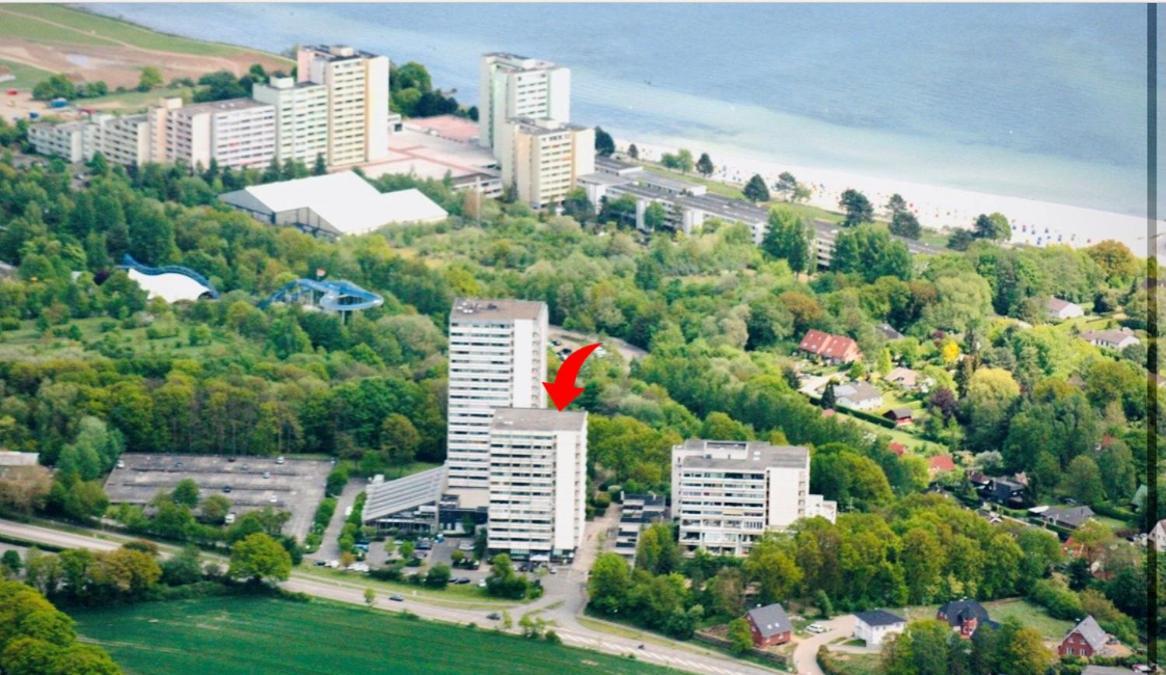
1040,101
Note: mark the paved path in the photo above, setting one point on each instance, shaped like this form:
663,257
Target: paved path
330,546
565,592
806,651
574,340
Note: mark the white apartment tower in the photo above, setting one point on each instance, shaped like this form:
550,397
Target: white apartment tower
538,481
236,132
543,159
301,118
497,359
726,494
517,86
357,86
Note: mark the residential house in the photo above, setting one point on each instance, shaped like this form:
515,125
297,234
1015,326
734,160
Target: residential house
858,396
873,627
1005,491
888,332
1086,639
1070,517
1057,309
1116,339
940,464
903,377
770,625
964,616
898,448
1158,536
900,416
831,348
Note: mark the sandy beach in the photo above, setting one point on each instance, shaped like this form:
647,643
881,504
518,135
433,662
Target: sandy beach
1034,222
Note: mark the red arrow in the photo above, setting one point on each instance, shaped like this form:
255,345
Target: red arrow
563,389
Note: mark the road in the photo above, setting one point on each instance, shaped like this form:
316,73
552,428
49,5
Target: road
806,651
564,598
330,545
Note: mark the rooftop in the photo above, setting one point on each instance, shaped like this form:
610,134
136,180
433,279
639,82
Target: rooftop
394,496
879,617
540,126
701,453
337,52
1093,633
770,620
451,127
538,419
478,310
226,105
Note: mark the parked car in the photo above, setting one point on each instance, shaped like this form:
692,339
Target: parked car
396,598
121,464
279,460
320,563
227,489
267,474
461,580
482,583
230,518
273,500
494,616
816,628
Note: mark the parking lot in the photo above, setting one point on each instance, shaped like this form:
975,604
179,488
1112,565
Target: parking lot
295,486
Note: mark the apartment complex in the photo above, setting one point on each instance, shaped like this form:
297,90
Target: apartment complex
538,481
71,141
497,359
357,88
543,159
238,133
726,494
301,118
121,140
517,86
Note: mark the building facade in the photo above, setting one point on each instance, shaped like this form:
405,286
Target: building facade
538,482
71,141
497,359
123,140
357,88
236,132
301,118
726,494
514,86
543,159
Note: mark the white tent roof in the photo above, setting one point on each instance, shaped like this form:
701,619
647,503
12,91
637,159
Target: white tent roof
170,286
347,202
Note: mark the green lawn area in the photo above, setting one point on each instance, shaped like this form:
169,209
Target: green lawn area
87,28
27,343
1029,615
454,595
133,101
857,664
254,635
26,76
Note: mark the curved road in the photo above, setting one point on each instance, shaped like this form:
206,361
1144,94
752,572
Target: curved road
563,601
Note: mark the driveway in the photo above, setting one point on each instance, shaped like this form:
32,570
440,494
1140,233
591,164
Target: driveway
806,651
330,546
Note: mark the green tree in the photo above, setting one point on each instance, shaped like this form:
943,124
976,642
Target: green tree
994,227
905,224
151,78
789,238
185,493
258,557
320,167
655,216
609,583
604,144
1083,480
740,636
756,190
684,160
857,208
868,250
657,551
370,597
786,185
704,165
438,576
578,206
771,565
399,439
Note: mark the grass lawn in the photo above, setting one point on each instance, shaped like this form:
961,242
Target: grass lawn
463,596
250,635
79,26
856,664
26,76
1029,615
133,101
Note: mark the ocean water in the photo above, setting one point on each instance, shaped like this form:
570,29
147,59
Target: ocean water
1039,101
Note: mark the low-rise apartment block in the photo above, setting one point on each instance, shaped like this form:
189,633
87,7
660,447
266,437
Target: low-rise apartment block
538,482
71,141
726,494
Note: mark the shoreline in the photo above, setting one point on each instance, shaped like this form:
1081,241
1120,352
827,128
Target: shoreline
939,208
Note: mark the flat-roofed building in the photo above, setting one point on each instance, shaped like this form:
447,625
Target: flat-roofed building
236,133
726,494
543,159
538,482
357,85
71,141
513,86
497,359
123,139
301,118
405,505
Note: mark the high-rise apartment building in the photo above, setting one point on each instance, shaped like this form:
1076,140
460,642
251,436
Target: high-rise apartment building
543,159
726,494
538,481
497,359
516,86
301,118
237,132
357,86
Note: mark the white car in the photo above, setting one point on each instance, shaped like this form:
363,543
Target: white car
229,519
816,628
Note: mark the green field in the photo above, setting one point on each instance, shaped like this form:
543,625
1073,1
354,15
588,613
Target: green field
261,635
57,23
26,76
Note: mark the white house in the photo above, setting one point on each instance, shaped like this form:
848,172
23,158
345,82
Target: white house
1117,339
874,627
1158,536
1059,310
858,396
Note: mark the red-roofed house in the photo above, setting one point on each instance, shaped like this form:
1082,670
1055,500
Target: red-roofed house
832,348
941,464
898,448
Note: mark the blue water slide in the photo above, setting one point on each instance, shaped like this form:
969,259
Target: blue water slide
128,262
332,296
